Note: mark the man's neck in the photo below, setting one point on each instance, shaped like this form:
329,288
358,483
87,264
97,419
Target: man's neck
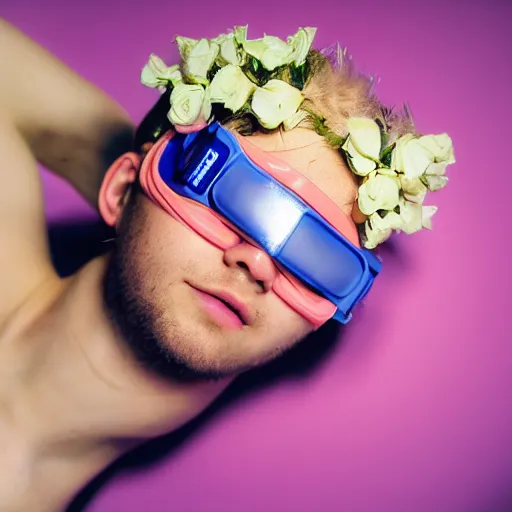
69,386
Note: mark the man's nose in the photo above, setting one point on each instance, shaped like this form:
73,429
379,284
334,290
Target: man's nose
256,261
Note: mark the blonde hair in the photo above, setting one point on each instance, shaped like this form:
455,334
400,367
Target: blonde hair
335,92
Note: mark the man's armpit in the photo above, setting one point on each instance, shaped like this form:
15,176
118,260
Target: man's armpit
24,256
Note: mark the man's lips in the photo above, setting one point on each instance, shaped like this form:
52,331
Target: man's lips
226,300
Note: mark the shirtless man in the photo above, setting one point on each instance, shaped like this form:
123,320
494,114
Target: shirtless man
137,342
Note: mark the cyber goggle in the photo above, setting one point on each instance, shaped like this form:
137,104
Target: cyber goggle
227,190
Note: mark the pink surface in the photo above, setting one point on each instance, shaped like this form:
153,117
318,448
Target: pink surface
412,412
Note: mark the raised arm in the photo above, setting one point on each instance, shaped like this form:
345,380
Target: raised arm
48,114
69,125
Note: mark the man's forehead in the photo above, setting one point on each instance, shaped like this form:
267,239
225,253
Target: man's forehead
309,153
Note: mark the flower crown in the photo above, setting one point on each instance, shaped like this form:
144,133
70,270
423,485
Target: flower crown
265,78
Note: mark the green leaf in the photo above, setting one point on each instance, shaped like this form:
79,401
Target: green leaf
385,155
213,71
254,70
320,127
299,74
194,79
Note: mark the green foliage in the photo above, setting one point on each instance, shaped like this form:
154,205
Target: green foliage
320,127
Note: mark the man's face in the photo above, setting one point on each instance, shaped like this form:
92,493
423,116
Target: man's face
162,277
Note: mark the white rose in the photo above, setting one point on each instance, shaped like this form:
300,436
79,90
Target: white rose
240,34
378,229
374,235
414,155
185,44
391,220
199,60
365,136
157,74
435,182
228,52
440,146
271,51
291,122
362,145
413,188
415,216
301,43
188,103
434,177
378,193
231,87
427,212
275,102
359,164
387,172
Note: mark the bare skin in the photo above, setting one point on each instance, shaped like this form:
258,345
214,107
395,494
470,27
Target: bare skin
73,397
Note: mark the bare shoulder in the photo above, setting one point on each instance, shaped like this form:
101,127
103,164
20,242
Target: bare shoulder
24,256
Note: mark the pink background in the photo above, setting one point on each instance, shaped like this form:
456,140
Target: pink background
411,410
